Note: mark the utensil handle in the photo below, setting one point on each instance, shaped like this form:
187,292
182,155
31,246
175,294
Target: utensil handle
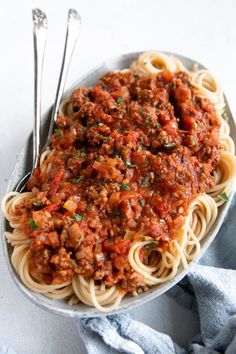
40,37
72,33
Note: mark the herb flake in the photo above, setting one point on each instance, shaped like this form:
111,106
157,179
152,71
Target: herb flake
223,196
38,203
32,224
59,133
79,179
78,217
149,248
192,141
144,181
119,100
148,121
126,187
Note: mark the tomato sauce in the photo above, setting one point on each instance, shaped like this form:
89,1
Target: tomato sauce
126,164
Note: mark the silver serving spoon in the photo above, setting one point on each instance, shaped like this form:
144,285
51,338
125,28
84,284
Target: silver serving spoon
40,38
72,33
40,32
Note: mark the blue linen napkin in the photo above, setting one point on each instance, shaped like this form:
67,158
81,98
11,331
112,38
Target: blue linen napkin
209,289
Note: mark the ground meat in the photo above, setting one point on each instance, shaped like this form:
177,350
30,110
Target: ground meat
129,155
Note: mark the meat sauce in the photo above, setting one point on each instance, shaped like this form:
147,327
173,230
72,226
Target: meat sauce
126,164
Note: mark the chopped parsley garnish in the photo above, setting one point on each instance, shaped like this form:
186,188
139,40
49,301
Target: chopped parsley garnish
122,185
32,224
168,145
192,140
195,126
79,179
148,121
38,203
119,100
142,203
144,181
145,62
223,196
59,133
158,125
149,248
125,187
78,217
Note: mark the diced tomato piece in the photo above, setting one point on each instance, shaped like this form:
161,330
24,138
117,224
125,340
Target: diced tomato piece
52,207
188,122
56,181
119,247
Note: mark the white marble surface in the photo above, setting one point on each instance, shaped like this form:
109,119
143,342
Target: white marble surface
203,29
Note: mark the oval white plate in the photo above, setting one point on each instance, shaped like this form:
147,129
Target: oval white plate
23,165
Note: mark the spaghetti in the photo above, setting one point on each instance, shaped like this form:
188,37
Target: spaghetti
131,185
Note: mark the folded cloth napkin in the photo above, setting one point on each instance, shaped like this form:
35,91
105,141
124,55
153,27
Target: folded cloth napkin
209,289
